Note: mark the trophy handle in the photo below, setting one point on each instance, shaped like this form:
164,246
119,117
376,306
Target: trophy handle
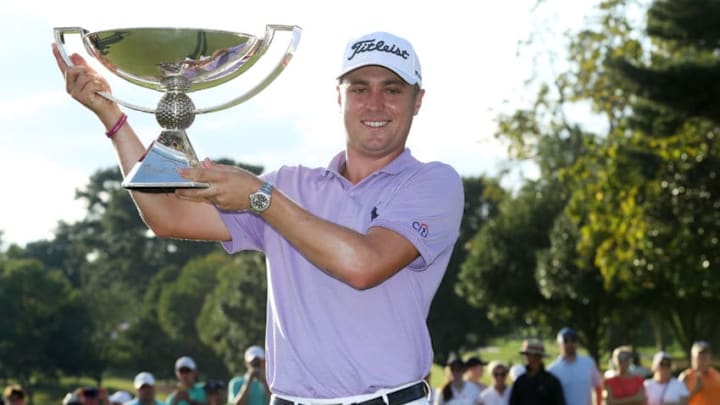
269,35
60,33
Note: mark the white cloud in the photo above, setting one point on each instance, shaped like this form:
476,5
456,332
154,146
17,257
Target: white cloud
30,104
37,194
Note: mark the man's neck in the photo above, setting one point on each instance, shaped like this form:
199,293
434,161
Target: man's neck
570,357
458,384
357,167
533,370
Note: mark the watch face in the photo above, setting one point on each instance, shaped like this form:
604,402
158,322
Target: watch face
259,202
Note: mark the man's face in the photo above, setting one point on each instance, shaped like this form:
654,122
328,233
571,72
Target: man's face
146,393
454,372
256,363
378,108
569,345
533,361
186,376
475,372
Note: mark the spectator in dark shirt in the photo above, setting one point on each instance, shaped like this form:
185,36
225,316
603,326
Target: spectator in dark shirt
536,386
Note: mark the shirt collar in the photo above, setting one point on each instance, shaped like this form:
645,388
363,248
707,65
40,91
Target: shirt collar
403,161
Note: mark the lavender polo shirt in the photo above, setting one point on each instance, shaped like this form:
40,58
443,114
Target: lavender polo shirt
324,338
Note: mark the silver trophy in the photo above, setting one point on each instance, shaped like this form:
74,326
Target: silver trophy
177,61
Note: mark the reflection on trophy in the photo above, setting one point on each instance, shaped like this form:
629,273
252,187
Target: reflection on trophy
177,61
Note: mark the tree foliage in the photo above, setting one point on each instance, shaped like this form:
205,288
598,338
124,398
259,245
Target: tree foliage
233,315
41,324
639,222
454,324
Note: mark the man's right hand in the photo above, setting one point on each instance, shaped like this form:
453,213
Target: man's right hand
83,83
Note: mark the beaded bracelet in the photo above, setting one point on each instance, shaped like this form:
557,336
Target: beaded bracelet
114,130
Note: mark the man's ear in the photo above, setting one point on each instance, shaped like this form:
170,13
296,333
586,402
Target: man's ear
418,100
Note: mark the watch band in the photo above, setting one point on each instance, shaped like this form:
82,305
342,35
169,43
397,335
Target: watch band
266,188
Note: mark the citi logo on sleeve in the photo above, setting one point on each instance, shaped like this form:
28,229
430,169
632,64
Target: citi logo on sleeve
370,45
422,229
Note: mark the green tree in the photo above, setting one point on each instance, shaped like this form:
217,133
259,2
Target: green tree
524,265
233,316
649,212
641,196
455,324
180,303
499,272
41,323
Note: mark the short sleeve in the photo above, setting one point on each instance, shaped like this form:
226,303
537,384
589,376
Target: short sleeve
426,209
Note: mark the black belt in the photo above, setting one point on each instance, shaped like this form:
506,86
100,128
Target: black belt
399,397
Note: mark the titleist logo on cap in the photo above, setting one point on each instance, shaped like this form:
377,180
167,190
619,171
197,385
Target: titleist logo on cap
370,45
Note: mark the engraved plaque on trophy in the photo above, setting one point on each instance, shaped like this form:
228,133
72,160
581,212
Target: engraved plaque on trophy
177,61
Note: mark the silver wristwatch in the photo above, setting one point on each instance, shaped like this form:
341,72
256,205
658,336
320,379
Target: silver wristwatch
260,200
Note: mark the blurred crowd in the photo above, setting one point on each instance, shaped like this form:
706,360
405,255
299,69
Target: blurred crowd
570,379
574,379
248,389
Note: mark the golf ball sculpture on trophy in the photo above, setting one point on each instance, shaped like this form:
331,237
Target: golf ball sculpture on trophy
177,61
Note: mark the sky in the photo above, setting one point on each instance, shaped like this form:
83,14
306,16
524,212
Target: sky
473,70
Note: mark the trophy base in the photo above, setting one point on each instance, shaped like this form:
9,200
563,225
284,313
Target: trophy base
157,171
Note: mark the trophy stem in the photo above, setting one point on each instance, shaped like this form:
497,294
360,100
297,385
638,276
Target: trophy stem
157,169
178,140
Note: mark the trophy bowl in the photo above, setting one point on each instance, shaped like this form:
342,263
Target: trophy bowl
177,61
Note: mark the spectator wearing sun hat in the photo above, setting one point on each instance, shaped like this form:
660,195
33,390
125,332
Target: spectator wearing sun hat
144,384
250,388
663,388
536,386
189,391
701,379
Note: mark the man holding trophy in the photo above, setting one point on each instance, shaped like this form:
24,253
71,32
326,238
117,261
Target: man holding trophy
355,251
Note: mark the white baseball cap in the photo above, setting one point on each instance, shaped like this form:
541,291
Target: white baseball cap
71,399
185,361
254,352
658,358
143,378
386,50
699,347
120,397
